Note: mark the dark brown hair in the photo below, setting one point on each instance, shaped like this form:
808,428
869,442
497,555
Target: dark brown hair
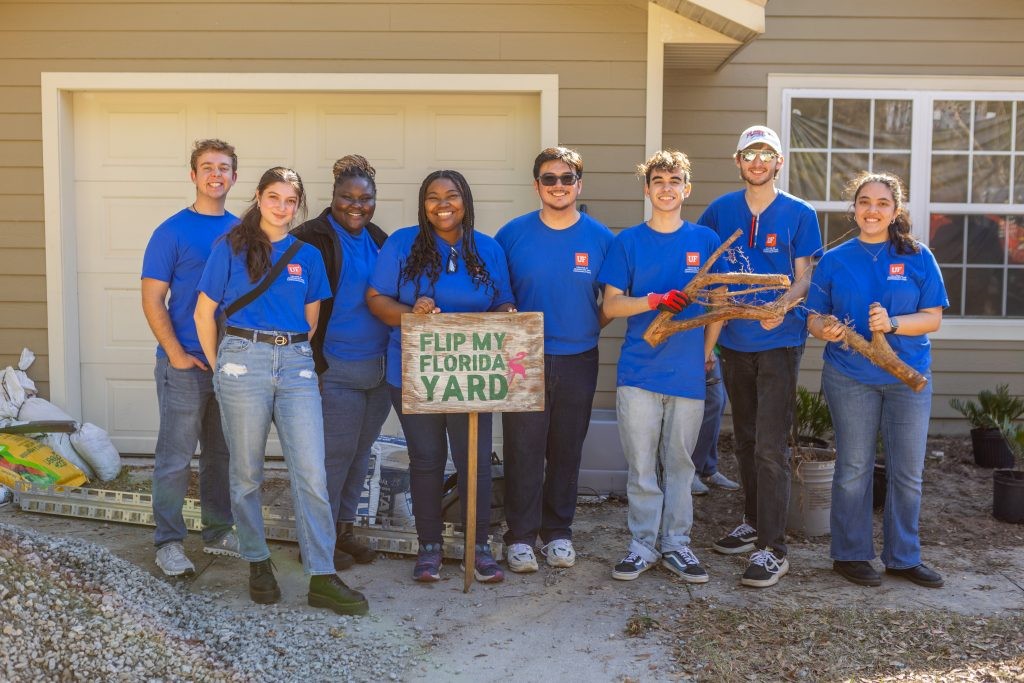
900,239
571,158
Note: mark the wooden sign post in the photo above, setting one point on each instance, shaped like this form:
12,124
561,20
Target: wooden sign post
472,363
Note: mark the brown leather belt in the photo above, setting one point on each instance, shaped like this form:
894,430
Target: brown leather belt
276,339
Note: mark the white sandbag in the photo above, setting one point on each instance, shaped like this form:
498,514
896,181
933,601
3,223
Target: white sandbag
36,409
12,394
93,444
60,444
26,360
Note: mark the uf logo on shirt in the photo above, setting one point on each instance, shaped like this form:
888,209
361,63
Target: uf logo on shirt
295,273
692,262
897,271
771,243
582,262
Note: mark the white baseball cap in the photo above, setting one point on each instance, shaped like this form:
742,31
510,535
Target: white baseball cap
759,134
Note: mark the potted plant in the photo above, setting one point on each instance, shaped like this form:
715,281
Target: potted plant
991,411
814,464
1008,484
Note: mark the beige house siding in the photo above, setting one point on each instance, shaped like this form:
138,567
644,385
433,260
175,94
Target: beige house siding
704,114
597,48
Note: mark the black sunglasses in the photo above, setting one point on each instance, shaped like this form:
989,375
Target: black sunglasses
453,260
550,179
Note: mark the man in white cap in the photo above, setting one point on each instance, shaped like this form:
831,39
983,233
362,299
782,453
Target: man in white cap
760,359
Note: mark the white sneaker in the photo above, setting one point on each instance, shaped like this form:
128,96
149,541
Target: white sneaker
225,545
172,560
521,559
559,553
698,488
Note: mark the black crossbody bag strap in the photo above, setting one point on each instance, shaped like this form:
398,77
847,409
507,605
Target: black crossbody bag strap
254,293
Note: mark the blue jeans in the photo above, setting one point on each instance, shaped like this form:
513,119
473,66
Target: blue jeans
428,436
658,429
705,453
543,450
762,389
189,414
355,405
258,382
859,411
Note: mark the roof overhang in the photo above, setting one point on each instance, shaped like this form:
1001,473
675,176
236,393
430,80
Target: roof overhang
703,35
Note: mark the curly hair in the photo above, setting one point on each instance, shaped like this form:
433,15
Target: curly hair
247,236
900,239
664,160
354,166
424,257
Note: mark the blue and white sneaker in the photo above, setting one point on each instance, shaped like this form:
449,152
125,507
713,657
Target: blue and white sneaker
684,564
631,566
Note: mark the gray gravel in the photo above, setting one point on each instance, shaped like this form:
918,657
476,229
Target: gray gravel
71,611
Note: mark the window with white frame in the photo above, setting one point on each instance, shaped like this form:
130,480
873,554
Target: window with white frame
962,157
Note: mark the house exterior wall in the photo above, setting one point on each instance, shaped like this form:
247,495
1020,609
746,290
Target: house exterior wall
597,48
704,113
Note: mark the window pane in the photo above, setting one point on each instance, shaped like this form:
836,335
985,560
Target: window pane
1020,126
952,278
990,182
1015,239
810,123
949,178
1018,178
897,164
946,238
984,293
844,168
985,239
992,125
850,122
951,125
893,123
807,177
836,228
1015,292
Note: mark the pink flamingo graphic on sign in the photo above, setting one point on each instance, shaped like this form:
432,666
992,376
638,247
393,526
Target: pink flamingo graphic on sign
515,367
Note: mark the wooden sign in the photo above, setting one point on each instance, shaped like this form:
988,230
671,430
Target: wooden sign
472,362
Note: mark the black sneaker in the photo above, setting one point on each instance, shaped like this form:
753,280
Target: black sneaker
684,564
327,590
740,540
859,572
764,569
631,566
263,588
347,543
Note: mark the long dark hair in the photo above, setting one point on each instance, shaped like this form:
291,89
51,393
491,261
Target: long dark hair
900,239
247,235
425,259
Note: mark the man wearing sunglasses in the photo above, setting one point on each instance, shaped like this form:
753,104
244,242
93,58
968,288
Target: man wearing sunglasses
554,255
760,359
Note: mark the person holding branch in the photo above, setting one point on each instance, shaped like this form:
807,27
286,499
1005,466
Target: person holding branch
441,265
880,282
660,394
263,372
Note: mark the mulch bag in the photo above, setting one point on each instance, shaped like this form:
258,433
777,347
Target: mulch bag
60,443
95,447
25,460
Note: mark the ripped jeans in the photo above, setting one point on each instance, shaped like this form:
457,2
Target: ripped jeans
258,382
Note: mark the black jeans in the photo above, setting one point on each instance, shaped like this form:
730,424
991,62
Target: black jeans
428,436
762,389
543,450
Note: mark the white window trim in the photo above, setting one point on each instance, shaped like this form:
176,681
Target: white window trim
57,90
905,87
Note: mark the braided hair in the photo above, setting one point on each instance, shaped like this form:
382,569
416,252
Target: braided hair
354,166
247,236
424,258
900,239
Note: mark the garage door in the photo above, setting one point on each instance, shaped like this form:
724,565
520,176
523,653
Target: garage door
131,172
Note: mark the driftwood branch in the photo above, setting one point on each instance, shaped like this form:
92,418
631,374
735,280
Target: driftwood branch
880,354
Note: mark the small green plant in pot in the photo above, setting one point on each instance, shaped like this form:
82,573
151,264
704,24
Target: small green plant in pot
991,411
1008,484
813,419
813,465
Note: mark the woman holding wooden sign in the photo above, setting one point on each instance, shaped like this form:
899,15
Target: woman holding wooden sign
881,282
440,265
270,285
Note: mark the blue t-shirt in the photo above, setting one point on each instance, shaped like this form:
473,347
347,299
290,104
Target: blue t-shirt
177,254
281,308
353,333
641,261
555,272
453,293
847,280
785,231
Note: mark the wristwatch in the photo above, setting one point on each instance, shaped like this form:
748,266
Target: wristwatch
894,324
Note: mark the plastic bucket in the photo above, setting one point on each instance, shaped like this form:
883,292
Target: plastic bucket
1008,496
810,499
990,449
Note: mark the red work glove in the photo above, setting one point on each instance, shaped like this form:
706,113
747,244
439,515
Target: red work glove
672,301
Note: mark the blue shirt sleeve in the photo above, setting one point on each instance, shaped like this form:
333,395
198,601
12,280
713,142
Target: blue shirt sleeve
498,268
160,257
819,295
319,288
807,241
933,289
389,264
615,270
214,281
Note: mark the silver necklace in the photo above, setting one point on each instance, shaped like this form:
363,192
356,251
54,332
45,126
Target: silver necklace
873,254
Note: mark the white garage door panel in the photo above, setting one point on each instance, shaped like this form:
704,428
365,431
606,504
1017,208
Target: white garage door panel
131,165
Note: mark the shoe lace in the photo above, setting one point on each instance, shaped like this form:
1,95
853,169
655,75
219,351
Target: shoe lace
687,555
633,558
765,558
560,545
742,530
